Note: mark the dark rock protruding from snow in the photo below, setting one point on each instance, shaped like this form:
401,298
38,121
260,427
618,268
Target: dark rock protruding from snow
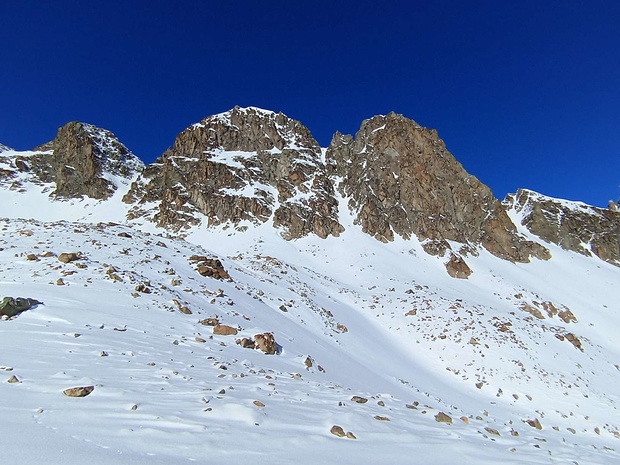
86,157
400,179
242,167
573,226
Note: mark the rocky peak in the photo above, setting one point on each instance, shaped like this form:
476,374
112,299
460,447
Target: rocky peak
573,226
400,179
244,166
251,130
86,158
4,148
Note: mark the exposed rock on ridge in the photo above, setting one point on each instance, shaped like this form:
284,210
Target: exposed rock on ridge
400,179
17,168
571,225
82,160
243,166
84,155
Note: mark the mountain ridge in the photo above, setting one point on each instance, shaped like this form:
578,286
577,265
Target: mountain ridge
248,166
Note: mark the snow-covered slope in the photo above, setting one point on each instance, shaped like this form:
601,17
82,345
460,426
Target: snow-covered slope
379,321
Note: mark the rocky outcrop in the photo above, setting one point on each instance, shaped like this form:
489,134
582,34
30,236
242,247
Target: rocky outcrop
242,167
571,225
400,179
19,168
457,268
83,158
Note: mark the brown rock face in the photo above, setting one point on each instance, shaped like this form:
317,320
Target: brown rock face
82,153
571,225
400,179
243,166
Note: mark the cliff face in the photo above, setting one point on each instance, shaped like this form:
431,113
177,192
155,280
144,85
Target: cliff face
84,158
571,225
243,166
400,179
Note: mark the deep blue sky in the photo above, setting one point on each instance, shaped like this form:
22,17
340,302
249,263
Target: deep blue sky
524,93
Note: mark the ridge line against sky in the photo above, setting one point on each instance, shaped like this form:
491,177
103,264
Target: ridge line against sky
524,94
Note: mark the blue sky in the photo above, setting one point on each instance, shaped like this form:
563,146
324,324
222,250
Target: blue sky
524,93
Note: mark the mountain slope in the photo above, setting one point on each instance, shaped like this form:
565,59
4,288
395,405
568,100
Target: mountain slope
398,336
513,348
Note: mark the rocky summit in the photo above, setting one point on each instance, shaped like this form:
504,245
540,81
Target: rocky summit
245,166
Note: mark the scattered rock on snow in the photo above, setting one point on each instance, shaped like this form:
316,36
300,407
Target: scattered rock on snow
443,418
67,257
10,307
143,287
210,267
535,423
246,343
224,330
80,391
267,343
209,322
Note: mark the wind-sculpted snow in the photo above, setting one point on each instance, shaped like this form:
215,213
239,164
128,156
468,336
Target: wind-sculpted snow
128,315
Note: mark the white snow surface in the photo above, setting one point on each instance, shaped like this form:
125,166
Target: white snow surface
383,321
